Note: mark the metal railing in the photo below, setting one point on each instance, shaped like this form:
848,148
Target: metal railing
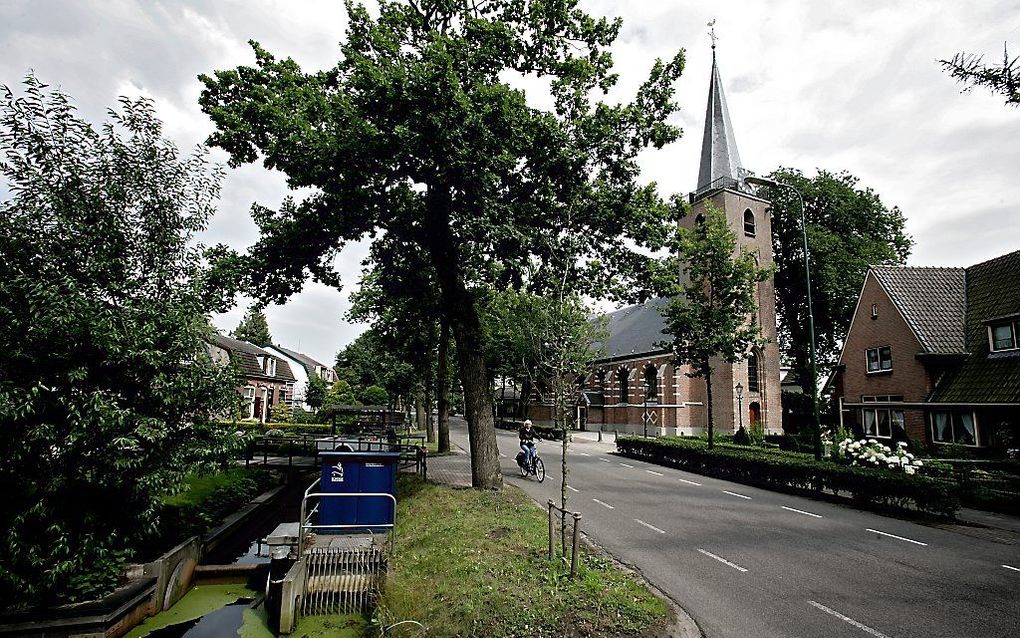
306,515
305,447
573,544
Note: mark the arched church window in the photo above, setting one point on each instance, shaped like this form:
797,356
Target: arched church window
699,220
623,377
651,382
749,223
753,376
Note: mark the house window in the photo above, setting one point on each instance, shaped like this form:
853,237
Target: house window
749,223
651,383
271,367
249,398
623,376
874,311
954,427
880,359
1004,336
752,373
881,422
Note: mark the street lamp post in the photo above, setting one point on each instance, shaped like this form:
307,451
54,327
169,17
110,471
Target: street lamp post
740,404
811,315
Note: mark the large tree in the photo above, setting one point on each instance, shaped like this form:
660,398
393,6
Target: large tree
107,388
253,328
417,133
849,229
971,70
711,311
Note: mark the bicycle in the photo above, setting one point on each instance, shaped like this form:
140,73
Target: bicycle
537,468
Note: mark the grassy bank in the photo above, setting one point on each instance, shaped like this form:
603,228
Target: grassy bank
470,563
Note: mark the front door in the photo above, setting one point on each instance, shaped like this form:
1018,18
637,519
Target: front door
754,414
258,408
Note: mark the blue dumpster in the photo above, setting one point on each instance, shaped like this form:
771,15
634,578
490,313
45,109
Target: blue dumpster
358,473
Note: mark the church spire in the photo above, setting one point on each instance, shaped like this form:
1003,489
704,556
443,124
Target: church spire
720,160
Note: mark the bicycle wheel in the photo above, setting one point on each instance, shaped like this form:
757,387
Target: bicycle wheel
539,470
523,467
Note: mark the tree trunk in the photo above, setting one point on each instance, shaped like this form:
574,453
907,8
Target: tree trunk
711,416
419,409
460,310
443,387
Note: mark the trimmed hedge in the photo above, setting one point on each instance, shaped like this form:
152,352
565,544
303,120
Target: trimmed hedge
792,471
286,428
546,432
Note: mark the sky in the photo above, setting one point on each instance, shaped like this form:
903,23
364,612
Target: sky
834,85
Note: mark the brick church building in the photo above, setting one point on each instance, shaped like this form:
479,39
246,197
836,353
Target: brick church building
635,387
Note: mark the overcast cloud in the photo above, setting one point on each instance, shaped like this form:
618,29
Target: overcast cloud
848,85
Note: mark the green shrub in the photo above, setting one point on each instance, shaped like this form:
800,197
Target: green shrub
280,413
374,395
799,472
741,437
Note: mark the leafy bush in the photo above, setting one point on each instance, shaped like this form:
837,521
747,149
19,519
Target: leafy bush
106,383
280,413
374,395
871,453
741,437
799,472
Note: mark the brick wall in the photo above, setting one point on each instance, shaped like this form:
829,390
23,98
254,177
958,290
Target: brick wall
908,377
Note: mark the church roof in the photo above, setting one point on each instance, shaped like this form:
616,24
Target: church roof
637,330
933,302
720,160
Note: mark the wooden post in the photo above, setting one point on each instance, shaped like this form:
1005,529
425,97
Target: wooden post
573,549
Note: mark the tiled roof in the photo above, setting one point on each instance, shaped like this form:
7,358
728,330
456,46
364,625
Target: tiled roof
993,290
307,362
637,330
245,357
932,300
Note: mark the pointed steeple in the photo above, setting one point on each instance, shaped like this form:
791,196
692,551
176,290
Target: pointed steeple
719,156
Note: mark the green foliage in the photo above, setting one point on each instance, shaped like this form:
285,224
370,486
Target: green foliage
473,563
371,360
741,437
106,385
849,229
206,500
340,394
711,289
280,413
971,71
374,395
253,328
799,472
315,394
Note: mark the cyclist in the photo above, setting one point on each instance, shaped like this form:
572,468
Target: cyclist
527,437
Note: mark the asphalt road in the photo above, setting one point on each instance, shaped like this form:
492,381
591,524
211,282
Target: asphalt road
746,562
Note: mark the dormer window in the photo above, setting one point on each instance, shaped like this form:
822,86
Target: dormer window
1003,336
271,366
748,223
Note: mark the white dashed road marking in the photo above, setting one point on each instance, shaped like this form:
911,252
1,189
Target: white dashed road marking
861,626
735,494
604,504
604,460
654,472
792,509
584,454
625,465
573,489
651,527
689,482
909,540
722,560
1016,569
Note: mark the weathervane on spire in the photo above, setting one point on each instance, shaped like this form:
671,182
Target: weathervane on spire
711,32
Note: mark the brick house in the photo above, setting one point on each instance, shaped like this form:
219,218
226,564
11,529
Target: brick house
265,379
932,355
303,368
635,386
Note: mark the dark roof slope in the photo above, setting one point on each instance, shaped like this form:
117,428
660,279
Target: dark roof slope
636,330
993,290
933,302
307,362
245,357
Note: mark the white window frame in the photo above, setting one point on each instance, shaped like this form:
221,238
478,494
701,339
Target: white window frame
271,366
878,352
1014,327
952,427
249,395
891,415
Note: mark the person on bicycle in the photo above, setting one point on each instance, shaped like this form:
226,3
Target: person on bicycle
527,437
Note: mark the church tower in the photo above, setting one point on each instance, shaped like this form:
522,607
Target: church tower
721,185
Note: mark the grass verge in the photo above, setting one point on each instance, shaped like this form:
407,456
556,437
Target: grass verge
472,563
